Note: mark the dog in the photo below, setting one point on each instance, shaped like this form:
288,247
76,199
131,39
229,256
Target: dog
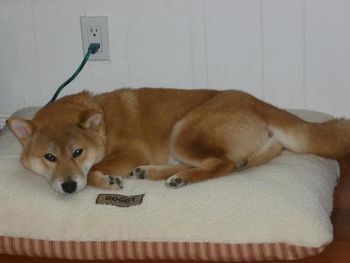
180,136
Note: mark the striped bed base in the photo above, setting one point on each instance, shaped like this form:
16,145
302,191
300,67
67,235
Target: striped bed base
140,250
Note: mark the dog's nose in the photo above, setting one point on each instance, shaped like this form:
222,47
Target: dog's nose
69,186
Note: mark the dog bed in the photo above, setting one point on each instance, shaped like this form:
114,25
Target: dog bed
278,211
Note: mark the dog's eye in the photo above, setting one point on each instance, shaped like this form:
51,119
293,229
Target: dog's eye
50,157
77,153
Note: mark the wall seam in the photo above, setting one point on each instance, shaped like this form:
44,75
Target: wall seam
36,54
126,21
304,56
262,47
206,42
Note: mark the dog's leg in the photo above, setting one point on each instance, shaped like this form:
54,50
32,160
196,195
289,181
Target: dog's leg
266,153
210,167
109,172
157,172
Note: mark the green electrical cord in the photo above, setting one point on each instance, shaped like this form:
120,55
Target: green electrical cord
93,47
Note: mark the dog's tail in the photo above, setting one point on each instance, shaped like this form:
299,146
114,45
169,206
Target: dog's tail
329,139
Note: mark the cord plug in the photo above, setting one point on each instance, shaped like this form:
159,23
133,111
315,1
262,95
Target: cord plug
94,47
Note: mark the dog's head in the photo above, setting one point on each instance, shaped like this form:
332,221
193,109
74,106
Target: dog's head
63,141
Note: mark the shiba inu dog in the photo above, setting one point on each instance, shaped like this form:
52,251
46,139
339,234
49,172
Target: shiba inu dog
181,136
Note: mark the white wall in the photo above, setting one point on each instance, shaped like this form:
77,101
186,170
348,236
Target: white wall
293,53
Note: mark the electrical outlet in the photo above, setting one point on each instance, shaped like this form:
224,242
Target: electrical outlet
94,30
95,36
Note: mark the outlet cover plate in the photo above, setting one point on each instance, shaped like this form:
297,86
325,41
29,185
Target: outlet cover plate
95,29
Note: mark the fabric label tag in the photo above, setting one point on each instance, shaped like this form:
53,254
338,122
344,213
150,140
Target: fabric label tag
119,200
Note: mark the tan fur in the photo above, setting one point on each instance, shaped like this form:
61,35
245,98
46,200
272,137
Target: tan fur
135,132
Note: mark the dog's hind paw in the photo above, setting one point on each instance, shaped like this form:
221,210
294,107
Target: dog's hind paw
241,163
175,181
138,173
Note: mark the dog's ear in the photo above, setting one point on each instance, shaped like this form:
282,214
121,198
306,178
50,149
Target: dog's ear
91,119
23,129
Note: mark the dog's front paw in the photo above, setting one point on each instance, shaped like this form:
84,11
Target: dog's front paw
115,182
175,181
139,173
101,180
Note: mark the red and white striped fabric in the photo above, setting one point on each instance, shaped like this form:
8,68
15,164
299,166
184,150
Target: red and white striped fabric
139,250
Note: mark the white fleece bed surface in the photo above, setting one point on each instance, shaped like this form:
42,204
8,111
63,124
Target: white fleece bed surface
288,200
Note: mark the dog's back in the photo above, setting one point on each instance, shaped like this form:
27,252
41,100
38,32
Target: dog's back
145,117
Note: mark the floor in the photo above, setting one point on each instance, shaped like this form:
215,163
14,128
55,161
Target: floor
337,252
